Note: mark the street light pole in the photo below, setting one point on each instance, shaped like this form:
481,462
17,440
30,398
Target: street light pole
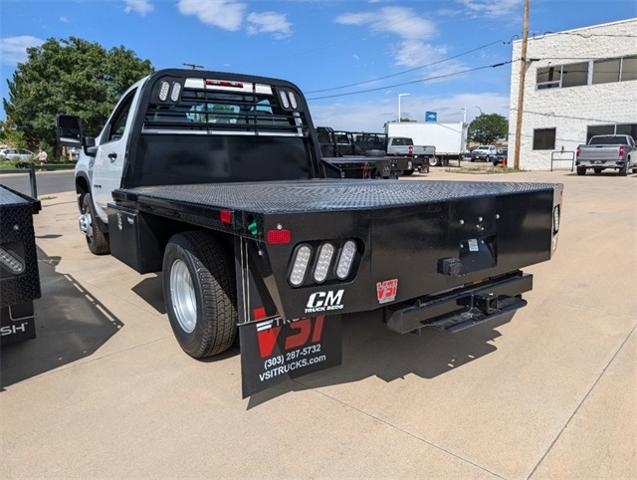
400,95
479,109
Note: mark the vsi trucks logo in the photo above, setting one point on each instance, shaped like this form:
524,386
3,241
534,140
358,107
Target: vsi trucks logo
300,332
386,291
325,301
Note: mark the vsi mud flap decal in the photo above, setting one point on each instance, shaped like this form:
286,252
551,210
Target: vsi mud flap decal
276,349
273,348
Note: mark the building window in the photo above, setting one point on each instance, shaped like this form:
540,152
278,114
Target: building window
627,129
605,71
619,129
544,139
575,74
629,68
549,77
593,130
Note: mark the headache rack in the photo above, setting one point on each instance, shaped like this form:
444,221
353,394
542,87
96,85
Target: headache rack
211,107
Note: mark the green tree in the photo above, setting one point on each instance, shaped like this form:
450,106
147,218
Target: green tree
488,127
71,76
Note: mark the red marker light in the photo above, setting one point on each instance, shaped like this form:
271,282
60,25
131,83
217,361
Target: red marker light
224,83
258,313
278,236
225,216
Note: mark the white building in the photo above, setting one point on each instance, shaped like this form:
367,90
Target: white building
579,83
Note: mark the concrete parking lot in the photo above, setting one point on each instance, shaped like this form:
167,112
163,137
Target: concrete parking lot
106,392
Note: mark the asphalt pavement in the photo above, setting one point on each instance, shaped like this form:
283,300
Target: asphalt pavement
48,182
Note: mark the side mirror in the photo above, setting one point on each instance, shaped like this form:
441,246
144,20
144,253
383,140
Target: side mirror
89,146
68,131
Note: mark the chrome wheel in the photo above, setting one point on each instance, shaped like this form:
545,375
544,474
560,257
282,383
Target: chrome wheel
182,296
85,223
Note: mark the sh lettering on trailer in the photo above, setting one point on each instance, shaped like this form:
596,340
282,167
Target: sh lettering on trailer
217,181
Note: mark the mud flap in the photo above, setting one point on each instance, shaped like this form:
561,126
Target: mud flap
274,348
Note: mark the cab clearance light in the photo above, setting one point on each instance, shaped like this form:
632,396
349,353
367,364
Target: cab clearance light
292,100
299,267
278,236
284,99
174,94
11,261
345,260
326,252
163,91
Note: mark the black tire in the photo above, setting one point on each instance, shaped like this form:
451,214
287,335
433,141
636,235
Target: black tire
96,240
212,272
581,170
623,172
408,172
634,170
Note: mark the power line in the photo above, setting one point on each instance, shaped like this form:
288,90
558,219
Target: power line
371,80
590,35
420,80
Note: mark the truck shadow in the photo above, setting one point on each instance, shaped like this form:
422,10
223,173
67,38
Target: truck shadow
70,325
369,349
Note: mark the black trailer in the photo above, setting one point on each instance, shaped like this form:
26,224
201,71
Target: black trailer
19,278
237,209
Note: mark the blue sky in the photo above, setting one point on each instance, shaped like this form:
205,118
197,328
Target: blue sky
318,44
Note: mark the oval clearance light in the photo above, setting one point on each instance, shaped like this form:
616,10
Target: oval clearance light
274,237
299,266
163,91
284,99
346,259
176,90
292,100
326,252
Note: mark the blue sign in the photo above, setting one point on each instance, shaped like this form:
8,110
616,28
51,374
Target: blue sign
431,116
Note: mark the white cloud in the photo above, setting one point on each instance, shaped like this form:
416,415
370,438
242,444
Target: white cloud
411,53
371,116
493,8
401,21
14,49
224,14
269,22
64,19
138,6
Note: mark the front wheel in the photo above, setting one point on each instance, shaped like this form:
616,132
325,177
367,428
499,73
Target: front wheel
200,293
96,240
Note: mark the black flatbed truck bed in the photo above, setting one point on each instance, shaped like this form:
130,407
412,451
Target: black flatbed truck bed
219,183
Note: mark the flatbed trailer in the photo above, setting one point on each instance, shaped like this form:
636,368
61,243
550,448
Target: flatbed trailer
236,207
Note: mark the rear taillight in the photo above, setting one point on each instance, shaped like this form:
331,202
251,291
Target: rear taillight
346,259
410,150
577,152
621,151
299,265
326,252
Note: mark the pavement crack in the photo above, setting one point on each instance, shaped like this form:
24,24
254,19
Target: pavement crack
402,430
584,398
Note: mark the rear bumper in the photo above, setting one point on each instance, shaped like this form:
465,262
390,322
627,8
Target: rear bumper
461,308
600,163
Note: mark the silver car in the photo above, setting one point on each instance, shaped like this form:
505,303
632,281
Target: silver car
20,154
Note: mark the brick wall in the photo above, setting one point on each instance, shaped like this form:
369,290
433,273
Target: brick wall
570,110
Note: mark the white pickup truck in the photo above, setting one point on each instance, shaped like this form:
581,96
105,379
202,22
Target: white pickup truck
607,151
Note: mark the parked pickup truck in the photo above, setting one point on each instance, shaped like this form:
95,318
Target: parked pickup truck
216,180
607,151
419,155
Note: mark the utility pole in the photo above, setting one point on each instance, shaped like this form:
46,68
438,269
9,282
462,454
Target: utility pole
194,66
523,62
